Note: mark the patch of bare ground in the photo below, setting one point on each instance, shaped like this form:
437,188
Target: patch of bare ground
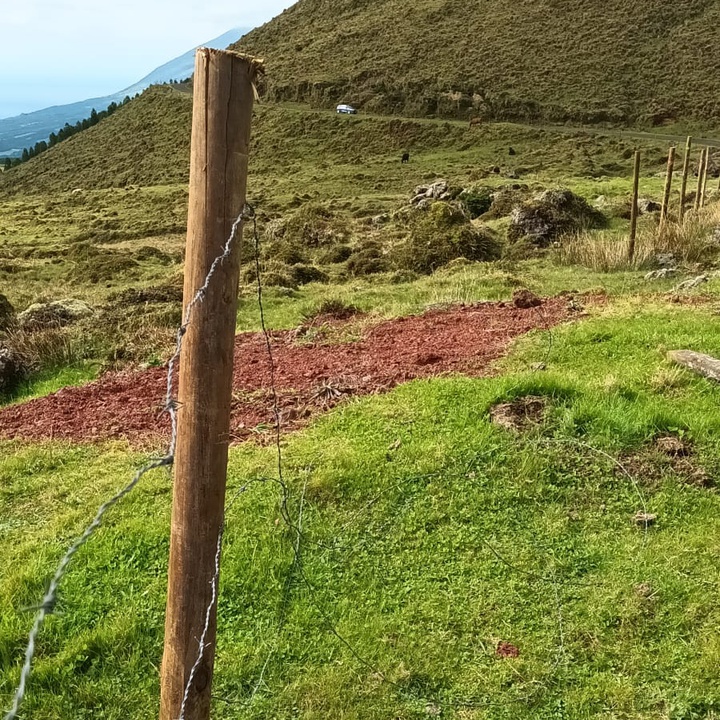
310,377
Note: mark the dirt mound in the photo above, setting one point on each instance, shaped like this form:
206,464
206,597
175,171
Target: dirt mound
309,377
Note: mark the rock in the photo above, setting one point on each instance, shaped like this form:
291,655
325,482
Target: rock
646,206
54,314
12,370
7,314
525,299
425,203
551,214
691,283
438,189
644,519
665,260
660,274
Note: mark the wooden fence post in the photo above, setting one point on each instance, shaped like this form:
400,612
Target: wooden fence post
634,208
668,187
705,177
686,169
701,165
222,110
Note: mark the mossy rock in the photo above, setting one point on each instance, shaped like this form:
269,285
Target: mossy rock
54,314
442,234
506,199
550,215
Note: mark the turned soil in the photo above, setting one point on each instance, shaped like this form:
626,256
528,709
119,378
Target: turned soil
315,368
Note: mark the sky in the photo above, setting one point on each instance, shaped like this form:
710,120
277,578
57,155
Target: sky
61,51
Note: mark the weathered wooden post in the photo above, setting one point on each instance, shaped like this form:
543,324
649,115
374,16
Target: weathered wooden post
705,177
686,169
701,167
222,110
668,187
634,209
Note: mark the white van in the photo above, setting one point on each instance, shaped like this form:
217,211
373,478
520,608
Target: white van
346,109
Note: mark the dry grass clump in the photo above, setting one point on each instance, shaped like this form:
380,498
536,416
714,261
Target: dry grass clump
696,240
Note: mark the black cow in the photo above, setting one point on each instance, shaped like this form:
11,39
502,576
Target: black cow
405,157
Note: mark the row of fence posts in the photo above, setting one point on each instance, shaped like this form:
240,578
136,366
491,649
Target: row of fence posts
700,194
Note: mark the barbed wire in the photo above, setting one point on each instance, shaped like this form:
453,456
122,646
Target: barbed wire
49,602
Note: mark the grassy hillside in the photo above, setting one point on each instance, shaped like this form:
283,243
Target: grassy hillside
587,61
146,142
298,151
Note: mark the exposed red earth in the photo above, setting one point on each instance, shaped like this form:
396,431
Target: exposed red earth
309,377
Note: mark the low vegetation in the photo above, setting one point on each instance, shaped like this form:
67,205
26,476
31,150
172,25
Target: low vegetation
614,63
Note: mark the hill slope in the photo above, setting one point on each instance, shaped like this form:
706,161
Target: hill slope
585,61
25,130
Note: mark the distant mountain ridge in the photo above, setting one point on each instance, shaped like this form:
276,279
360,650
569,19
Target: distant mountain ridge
643,62
25,130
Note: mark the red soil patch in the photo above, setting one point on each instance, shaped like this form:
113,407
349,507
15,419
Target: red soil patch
309,378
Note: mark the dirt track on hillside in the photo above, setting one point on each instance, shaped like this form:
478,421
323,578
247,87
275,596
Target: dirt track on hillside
310,377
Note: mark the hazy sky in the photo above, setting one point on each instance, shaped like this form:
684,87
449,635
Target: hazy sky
60,51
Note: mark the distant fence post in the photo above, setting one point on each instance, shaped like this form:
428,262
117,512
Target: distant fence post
222,110
686,169
634,209
701,166
705,177
668,187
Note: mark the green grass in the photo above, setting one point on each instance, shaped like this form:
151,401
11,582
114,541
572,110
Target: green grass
410,501
50,381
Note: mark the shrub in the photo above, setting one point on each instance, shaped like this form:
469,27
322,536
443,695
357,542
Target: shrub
304,274
7,314
477,201
285,251
332,308
368,259
551,214
692,242
441,234
334,254
312,225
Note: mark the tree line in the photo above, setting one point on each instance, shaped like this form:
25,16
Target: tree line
65,132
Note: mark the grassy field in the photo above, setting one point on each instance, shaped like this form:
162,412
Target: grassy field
429,537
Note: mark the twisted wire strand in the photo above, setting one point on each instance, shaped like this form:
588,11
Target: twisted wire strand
49,601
